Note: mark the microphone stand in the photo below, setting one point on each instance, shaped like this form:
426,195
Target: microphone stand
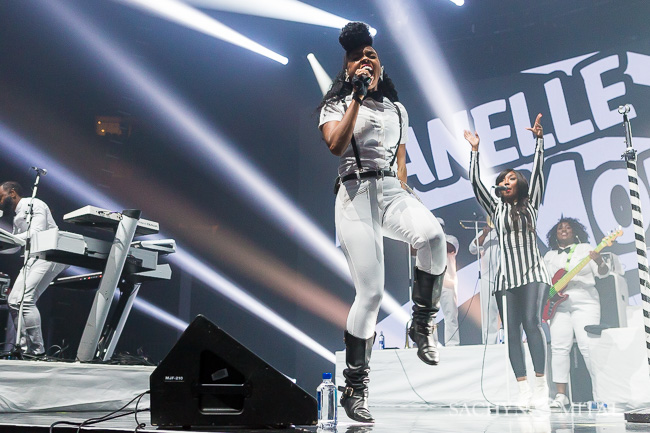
16,353
640,415
476,225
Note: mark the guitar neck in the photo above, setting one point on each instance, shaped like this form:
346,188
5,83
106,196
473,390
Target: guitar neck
562,282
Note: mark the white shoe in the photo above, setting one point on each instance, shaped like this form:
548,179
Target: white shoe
525,394
540,393
560,402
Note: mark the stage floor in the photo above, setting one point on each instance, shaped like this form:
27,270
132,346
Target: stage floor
388,420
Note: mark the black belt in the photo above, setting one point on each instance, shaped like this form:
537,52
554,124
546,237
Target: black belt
369,173
362,175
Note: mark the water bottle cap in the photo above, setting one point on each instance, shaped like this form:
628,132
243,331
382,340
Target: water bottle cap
327,375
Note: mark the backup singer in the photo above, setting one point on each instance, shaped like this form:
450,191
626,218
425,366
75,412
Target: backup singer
36,275
363,123
523,274
568,243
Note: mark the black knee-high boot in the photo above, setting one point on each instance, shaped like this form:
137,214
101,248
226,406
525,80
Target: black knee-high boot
427,289
354,397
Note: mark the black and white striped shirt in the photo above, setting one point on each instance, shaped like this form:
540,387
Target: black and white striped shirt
521,262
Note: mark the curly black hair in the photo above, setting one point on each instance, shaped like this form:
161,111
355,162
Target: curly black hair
579,230
353,36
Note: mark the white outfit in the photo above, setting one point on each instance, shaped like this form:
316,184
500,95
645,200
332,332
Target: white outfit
449,296
489,253
34,278
582,308
370,208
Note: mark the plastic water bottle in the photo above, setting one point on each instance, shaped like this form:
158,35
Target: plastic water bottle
597,406
501,336
326,396
382,342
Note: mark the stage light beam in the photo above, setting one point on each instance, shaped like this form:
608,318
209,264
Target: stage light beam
418,46
210,147
323,79
289,10
190,17
18,149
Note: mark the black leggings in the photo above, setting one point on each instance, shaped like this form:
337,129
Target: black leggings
525,304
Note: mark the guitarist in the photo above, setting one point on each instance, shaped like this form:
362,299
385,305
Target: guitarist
568,243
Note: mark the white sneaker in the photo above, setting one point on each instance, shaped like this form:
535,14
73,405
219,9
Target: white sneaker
525,394
540,393
560,402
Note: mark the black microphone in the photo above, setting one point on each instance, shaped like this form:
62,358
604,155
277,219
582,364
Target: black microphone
499,189
40,171
360,83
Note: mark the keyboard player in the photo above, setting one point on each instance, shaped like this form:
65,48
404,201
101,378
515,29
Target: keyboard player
37,274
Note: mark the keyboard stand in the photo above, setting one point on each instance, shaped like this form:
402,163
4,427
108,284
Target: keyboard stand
88,347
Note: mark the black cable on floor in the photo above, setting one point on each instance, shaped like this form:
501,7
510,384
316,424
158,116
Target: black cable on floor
139,425
409,381
107,417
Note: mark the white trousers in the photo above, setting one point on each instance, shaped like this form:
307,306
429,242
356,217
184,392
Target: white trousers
582,308
39,274
366,211
489,312
449,307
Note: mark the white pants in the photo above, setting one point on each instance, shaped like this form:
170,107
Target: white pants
449,307
489,312
582,308
366,211
40,274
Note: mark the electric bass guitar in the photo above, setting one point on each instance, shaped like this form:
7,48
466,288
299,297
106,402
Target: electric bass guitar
562,278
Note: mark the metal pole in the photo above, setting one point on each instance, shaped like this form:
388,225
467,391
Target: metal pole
30,214
637,219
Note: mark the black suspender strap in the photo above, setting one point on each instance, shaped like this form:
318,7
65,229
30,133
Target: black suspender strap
399,116
355,149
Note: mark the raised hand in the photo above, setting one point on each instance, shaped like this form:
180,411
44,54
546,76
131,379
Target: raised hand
537,129
472,139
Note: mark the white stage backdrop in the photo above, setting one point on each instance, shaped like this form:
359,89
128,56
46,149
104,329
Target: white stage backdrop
585,175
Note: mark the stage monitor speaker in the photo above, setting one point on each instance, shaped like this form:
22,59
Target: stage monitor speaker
209,379
613,294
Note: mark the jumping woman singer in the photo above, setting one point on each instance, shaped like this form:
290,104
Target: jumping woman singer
523,273
363,124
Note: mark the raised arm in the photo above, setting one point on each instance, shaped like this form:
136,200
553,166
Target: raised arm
480,191
537,176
